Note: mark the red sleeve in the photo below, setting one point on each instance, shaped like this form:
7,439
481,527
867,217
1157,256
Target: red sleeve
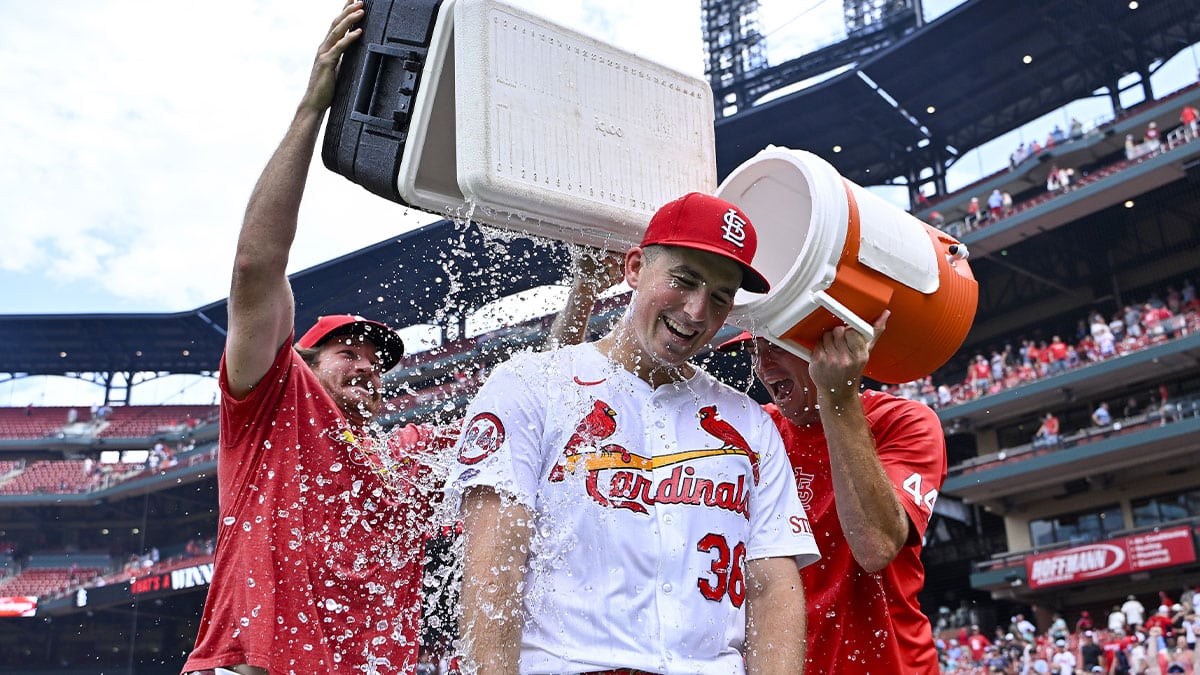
236,414
912,450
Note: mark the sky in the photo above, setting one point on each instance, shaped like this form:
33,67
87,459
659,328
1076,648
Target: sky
133,133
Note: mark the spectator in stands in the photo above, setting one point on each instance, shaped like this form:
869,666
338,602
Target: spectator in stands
1058,355
1152,139
1052,184
1133,321
1152,319
1189,117
1160,620
1090,653
1045,359
1063,660
1024,627
977,643
1006,203
1100,416
1131,150
996,204
1135,613
1016,157
1188,625
1085,622
1174,300
1076,129
1047,433
973,214
321,519
997,363
1058,628
980,375
1116,619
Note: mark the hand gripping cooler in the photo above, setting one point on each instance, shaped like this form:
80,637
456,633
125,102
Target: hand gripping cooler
378,79
541,129
837,254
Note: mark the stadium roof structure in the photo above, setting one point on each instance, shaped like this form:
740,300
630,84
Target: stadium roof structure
435,274
969,68
967,65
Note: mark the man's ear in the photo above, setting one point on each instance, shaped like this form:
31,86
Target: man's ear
635,263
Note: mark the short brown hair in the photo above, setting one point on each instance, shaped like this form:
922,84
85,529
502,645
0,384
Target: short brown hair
309,356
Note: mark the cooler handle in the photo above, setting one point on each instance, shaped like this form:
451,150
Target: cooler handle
368,80
845,314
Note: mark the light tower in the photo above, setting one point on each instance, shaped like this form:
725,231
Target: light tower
735,48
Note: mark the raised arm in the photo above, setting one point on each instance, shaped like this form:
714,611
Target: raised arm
775,619
496,538
1152,666
592,272
872,518
261,306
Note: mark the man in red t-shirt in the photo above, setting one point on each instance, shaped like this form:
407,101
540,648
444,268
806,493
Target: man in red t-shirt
1190,118
868,467
319,553
1058,355
977,643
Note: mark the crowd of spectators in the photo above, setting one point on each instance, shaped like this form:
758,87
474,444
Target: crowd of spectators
1135,327
1127,642
1056,137
1061,180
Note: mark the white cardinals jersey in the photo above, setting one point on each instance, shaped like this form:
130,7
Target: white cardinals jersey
647,502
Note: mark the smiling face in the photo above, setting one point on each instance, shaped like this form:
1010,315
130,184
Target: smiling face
681,299
348,368
786,378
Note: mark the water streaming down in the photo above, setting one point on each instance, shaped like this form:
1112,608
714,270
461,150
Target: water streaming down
423,484
551,543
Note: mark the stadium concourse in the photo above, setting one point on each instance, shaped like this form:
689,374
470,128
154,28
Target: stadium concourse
107,520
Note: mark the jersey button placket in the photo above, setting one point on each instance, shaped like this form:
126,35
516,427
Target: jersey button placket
660,440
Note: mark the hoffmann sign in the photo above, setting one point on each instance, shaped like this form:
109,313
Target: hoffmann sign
1138,552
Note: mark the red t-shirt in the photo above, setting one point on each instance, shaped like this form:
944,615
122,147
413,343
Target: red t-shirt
981,371
860,622
978,644
1058,351
318,559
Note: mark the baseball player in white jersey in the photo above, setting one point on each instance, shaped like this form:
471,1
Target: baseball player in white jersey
624,511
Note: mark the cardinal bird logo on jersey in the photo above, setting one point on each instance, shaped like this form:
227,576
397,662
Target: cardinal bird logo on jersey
711,422
599,424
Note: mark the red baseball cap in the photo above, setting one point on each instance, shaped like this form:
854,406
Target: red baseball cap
736,341
706,223
390,345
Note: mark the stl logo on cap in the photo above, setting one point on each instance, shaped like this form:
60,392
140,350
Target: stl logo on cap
734,228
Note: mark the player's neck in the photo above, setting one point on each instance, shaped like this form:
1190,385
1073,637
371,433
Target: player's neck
622,347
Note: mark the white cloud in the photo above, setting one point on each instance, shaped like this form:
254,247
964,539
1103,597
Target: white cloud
133,135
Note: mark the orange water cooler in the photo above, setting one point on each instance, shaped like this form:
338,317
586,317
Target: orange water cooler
837,254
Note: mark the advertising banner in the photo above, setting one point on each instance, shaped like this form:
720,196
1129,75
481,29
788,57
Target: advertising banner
175,580
18,605
1146,551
